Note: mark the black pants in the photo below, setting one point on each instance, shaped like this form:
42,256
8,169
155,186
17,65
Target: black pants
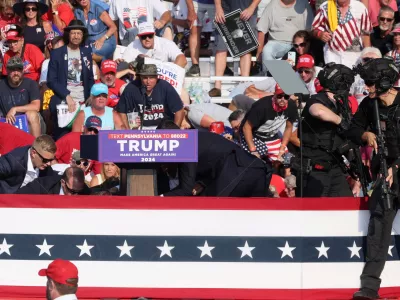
326,184
378,241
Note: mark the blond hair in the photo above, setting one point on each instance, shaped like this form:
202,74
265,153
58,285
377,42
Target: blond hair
45,143
103,173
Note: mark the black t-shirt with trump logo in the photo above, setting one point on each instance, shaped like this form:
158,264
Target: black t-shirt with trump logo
163,102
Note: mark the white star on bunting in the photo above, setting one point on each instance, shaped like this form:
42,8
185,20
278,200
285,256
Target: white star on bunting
390,250
45,248
5,248
205,250
246,250
125,249
85,249
323,251
165,250
354,250
287,250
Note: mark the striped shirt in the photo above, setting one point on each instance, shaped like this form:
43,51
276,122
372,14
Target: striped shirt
347,36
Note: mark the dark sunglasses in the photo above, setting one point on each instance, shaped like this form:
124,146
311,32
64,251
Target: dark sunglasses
44,160
304,71
366,59
382,19
93,130
71,191
145,36
28,9
280,96
85,163
302,45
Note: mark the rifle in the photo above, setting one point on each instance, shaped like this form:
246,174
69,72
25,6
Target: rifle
359,169
383,168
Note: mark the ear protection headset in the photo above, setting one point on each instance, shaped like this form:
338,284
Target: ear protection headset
336,77
380,72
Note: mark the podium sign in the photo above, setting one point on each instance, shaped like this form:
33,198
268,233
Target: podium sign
148,146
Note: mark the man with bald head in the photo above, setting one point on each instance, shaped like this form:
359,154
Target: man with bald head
72,182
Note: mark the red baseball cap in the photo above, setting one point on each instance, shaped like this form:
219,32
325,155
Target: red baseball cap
305,61
12,35
108,66
217,127
278,90
60,271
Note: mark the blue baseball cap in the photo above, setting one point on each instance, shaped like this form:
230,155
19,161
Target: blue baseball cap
93,122
99,88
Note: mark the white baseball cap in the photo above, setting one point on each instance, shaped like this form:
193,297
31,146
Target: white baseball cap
146,28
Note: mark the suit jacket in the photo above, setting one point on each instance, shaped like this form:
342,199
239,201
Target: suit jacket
49,185
13,168
221,166
58,71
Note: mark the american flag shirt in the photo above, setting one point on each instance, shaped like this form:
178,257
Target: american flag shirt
347,36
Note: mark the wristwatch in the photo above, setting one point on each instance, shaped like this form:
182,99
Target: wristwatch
106,36
55,12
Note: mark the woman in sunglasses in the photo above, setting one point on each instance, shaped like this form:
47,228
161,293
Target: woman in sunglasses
34,28
301,45
84,164
259,133
306,70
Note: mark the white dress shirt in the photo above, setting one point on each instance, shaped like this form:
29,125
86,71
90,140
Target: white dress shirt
31,172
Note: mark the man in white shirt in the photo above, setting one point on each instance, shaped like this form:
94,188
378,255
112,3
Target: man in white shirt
128,14
154,47
62,280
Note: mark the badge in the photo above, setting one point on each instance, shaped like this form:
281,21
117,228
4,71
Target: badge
93,22
38,30
65,57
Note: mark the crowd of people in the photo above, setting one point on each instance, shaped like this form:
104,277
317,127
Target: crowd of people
61,80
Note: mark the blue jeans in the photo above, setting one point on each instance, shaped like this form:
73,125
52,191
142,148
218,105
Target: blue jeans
275,50
107,51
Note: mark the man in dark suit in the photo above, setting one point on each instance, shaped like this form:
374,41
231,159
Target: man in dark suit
25,164
223,168
70,73
72,182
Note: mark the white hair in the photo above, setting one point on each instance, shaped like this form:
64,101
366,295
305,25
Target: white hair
371,50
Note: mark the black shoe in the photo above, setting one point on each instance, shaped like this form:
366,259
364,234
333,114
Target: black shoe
194,71
365,294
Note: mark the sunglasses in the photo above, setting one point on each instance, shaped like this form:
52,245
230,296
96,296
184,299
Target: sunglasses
44,160
366,59
102,95
145,36
304,71
84,163
302,45
382,19
280,96
28,9
93,130
71,191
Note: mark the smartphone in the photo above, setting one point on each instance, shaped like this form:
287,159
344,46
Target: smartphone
292,57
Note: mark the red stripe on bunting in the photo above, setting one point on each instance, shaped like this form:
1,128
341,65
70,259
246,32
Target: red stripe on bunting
183,203
17,292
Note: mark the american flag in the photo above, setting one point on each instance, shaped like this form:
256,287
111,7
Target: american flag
225,248
345,34
142,11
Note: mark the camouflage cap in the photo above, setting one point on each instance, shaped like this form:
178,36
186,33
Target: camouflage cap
15,62
148,70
